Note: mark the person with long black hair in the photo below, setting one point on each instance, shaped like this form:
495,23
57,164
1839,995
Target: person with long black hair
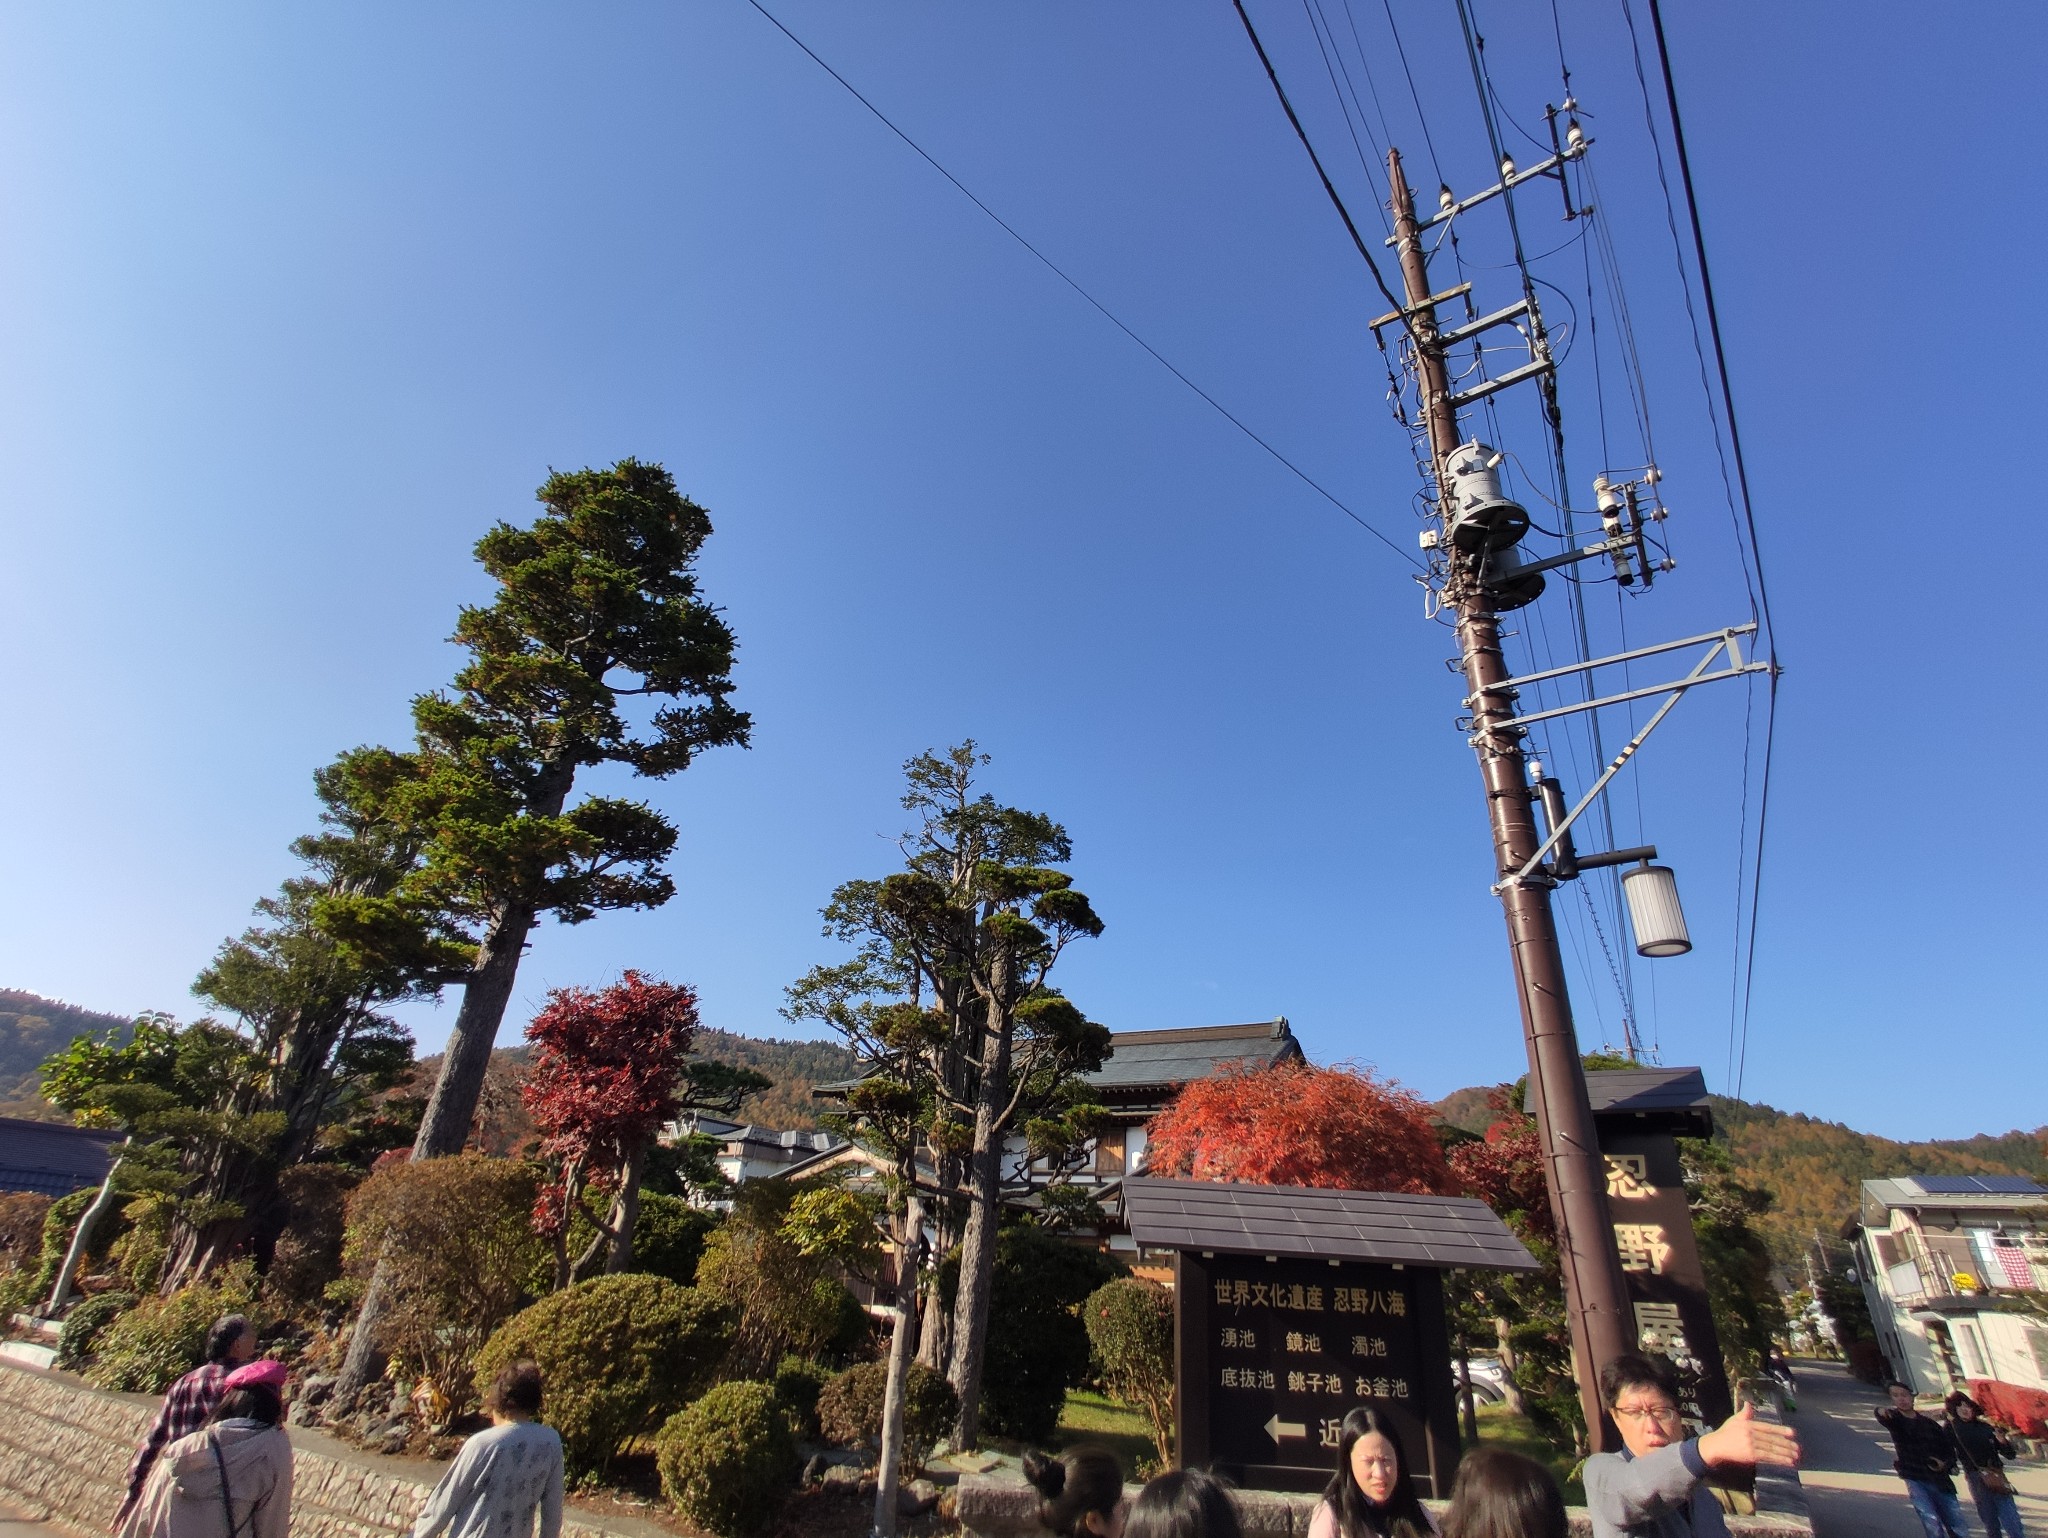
1187,1503
1370,1495
1081,1492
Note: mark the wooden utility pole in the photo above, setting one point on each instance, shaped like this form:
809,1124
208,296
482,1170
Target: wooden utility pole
1596,1299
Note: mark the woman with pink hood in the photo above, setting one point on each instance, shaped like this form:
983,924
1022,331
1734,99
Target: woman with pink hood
230,1479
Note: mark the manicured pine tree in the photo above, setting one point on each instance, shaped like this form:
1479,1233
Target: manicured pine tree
598,615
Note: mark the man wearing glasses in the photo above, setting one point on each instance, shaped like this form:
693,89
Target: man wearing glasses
1656,1487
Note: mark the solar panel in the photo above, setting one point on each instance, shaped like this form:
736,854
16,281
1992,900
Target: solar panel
1977,1185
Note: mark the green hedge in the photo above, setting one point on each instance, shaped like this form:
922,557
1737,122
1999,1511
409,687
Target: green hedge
617,1354
728,1461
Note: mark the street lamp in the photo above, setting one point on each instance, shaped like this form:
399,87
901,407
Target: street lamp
1654,912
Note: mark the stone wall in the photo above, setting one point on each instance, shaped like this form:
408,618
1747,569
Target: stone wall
65,1448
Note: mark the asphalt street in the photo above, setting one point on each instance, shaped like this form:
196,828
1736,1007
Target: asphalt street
1846,1464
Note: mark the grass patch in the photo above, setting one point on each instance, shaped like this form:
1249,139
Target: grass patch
1092,1418
1501,1427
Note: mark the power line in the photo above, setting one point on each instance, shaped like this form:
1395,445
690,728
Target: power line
1315,160
1699,244
1100,308
1751,552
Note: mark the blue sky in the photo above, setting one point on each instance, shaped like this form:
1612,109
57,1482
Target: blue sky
296,303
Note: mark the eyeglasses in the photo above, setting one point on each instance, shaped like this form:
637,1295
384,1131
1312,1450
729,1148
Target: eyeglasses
1660,1410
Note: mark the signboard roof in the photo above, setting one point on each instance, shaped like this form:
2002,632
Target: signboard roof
1386,1226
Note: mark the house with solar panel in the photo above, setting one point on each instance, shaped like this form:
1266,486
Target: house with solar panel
1955,1270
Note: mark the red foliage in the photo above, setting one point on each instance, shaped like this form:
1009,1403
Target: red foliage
1506,1171
1297,1125
605,1078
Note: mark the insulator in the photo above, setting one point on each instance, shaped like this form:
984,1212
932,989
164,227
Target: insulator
1574,136
1507,167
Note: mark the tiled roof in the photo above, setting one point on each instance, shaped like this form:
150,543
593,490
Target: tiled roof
1646,1089
1333,1225
50,1157
1147,1059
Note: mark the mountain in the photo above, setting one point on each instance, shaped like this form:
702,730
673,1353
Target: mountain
1814,1169
31,1028
795,1066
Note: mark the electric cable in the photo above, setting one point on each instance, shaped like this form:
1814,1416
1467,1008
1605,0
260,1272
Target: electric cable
1336,201
1102,309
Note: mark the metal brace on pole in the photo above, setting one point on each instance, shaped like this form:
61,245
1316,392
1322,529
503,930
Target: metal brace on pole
1699,675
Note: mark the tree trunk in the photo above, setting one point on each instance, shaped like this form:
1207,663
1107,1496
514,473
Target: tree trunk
365,1359
978,1243
625,1213
81,1237
935,1338
897,1380
1470,1411
1510,1390
445,1128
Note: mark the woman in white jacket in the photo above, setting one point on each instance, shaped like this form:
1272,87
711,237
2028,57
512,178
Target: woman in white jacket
502,1476
230,1479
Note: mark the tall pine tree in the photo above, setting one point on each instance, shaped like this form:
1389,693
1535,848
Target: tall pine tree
599,649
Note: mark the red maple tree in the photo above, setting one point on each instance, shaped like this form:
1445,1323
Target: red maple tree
1505,1170
1297,1125
606,1077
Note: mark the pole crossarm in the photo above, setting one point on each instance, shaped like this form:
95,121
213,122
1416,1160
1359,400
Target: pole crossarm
1725,634
1545,167
1726,640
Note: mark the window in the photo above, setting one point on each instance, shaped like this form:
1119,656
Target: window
1109,1153
1970,1346
2037,1342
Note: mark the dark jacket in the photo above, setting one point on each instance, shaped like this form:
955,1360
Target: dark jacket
1926,1452
1984,1445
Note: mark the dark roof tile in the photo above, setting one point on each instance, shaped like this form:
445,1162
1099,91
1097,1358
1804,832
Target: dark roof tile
1383,1226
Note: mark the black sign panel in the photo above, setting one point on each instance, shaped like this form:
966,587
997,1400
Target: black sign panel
1274,1353
1667,1286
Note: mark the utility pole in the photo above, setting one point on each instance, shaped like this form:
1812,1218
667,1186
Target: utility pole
1596,1298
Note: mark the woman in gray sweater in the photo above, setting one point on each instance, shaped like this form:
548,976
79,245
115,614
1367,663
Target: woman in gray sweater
504,1475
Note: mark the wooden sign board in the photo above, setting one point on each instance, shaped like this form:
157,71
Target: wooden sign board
1272,1353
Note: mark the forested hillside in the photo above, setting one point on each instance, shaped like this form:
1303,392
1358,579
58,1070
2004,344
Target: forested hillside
31,1028
1814,1168
795,1066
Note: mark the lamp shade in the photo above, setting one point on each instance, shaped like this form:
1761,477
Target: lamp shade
1653,911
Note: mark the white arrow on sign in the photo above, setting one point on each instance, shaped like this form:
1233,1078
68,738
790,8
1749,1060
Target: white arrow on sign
1277,1428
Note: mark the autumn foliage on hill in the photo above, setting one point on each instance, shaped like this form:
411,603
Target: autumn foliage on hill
1299,1125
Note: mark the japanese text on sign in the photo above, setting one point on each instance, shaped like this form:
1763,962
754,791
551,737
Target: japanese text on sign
1643,1247
1628,1177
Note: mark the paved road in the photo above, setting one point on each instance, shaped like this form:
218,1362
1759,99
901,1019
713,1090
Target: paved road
1846,1464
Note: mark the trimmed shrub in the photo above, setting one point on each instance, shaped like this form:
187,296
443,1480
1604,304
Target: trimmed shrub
727,1462
618,1355
850,1409
82,1326
668,1237
459,1235
787,1301
1130,1328
798,1384
157,1342
1040,1349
